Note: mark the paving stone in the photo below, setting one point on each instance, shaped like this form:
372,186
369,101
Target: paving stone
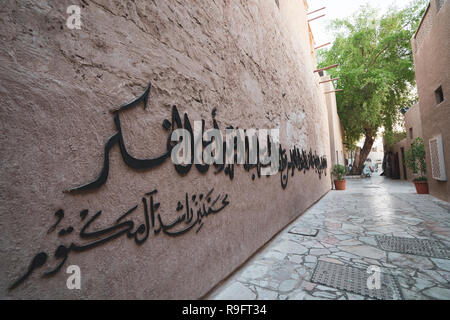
324,288
287,285
368,240
435,275
236,291
312,244
300,295
353,228
331,240
438,293
412,295
310,265
319,252
365,251
264,294
330,260
422,284
326,295
411,261
350,242
275,255
372,261
308,286
345,255
445,275
255,272
442,264
290,247
302,271
333,225
312,259
295,258
304,231
352,296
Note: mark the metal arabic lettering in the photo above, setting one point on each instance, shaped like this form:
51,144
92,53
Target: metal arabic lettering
194,207
300,160
192,211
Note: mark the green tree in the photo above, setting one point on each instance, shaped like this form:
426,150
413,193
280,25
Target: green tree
376,71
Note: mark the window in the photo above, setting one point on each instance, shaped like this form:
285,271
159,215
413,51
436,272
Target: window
439,95
411,133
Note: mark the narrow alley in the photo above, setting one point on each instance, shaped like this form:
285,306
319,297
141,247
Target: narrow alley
341,230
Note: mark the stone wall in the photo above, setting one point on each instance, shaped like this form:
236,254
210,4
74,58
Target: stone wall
334,123
432,62
248,61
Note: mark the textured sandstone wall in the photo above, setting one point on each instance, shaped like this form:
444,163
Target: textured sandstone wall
432,62
248,59
334,124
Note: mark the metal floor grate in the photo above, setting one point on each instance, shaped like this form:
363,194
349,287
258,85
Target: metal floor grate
348,278
419,247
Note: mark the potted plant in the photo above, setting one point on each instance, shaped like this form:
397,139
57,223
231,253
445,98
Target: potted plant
415,161
339,172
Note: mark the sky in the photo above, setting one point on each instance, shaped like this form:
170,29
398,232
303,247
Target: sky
341,9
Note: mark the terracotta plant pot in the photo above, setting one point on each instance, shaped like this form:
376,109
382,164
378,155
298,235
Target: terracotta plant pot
421,187
339,184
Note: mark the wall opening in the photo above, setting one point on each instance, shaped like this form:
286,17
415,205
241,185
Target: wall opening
439,95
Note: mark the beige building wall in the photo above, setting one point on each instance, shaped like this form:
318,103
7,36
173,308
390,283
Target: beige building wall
413,129
399,149
247,64
431,47
336,130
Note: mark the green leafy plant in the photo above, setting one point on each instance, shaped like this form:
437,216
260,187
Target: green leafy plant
376,72
339,172
415,159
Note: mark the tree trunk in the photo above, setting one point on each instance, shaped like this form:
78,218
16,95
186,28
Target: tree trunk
358,164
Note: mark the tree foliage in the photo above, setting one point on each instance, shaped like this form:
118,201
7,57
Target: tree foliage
376,70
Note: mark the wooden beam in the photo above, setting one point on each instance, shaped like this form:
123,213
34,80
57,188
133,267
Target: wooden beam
338,90
325,81
322,45
316,10
316,18
326,68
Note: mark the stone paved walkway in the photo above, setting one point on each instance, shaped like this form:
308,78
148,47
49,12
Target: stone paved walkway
348,222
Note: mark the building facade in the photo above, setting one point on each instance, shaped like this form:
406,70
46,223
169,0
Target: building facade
431,50
87,114
413,129
337,149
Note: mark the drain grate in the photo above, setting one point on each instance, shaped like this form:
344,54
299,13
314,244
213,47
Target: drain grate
419,247
348,278
302,231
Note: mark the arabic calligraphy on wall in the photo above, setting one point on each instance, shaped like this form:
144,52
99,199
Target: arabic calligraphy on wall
192,210
298,159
